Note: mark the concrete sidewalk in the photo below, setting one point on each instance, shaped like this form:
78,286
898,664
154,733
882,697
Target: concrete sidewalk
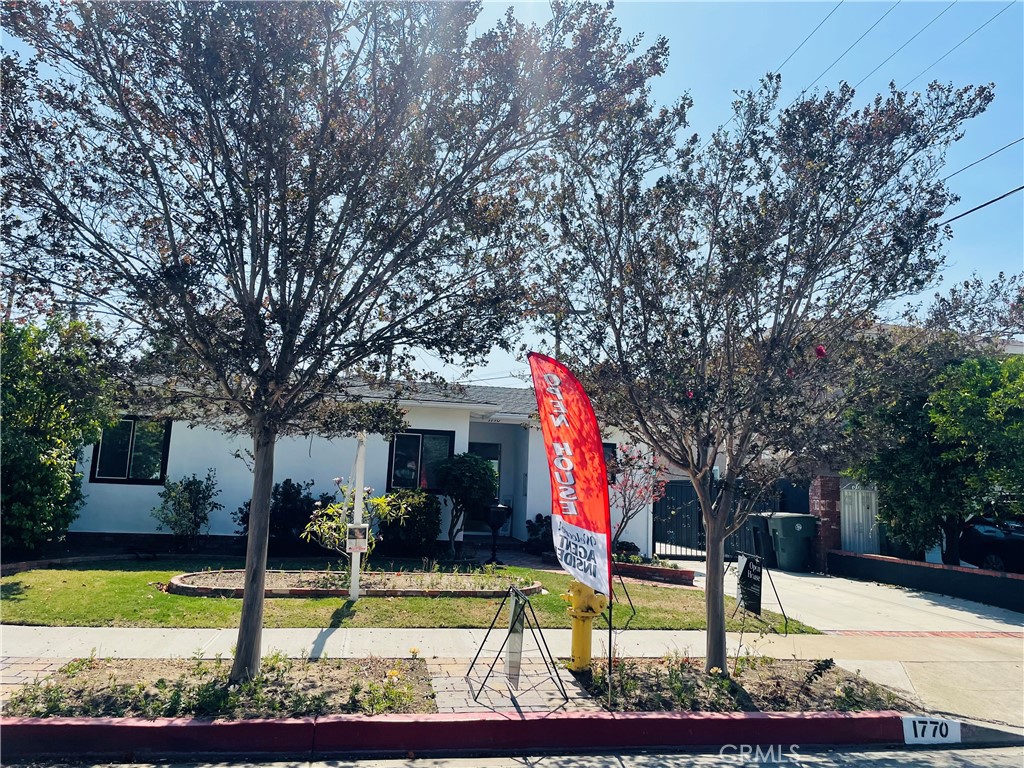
977,677
949,655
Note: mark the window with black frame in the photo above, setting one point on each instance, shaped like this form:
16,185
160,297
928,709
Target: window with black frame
133,451
415,456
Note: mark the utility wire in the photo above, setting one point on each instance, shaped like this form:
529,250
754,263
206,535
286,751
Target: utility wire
922,29
779,68
829,67
986,157
843,54
507,375
983,205
809,36
976,31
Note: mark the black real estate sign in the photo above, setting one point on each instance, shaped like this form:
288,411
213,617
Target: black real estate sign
751,568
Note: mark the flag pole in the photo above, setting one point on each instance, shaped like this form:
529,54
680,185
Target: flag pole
611,652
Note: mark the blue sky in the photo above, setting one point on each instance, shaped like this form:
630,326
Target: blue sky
720,47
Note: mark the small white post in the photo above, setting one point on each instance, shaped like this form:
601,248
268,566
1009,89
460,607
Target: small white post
357,511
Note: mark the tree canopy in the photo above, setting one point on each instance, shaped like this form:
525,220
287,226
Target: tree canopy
471,484
58,393
280,199
723,300
949,450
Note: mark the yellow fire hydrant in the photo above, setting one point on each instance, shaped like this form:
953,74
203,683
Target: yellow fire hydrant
584,606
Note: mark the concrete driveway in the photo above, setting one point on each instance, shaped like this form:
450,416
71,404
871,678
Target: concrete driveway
952,655
834,604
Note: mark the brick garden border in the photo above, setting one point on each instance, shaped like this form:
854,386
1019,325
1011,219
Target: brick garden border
654,573
177,586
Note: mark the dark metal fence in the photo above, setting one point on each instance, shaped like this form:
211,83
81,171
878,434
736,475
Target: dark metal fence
679,525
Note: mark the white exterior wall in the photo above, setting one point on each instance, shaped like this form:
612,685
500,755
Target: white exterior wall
525,482
126,508
538,479
447,419
640,529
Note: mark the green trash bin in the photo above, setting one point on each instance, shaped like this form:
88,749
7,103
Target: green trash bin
792,534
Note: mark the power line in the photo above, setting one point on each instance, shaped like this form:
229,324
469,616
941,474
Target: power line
922,29
986,157
779,68
829,67
983,205
843,54
976,31
809,36
506,375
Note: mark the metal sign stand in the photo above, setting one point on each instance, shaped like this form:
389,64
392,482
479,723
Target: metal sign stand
518,621
611,639
629,599
739,603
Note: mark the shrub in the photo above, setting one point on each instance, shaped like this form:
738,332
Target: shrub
538,535
471,484
291,507
57,395
416,533
185,507
624,547
329,524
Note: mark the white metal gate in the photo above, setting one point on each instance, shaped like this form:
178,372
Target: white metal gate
858,524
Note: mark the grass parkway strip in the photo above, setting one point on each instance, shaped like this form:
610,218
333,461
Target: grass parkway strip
131,594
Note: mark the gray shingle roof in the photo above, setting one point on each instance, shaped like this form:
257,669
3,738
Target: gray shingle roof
518,400
509,400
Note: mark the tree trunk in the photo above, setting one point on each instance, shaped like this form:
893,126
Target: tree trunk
951,541
250,627
714,598
453,530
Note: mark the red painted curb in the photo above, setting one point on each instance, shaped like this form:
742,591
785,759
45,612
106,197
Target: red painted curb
426,734
131,737
602,730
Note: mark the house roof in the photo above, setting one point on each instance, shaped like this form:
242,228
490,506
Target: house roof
511,400
482,400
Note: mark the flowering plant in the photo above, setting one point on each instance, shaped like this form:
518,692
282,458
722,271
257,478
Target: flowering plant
637,480
328,525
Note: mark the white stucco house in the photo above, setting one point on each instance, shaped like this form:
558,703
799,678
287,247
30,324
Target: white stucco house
124,472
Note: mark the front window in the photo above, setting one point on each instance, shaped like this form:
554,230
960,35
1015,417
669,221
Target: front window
132,451
415,457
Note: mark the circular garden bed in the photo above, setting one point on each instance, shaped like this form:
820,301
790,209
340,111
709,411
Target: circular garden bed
335,584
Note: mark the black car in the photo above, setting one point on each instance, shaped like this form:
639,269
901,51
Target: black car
996,544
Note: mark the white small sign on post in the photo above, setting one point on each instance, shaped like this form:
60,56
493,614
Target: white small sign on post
930,730
356,537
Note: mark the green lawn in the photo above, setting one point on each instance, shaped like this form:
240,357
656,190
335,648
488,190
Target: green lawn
127,594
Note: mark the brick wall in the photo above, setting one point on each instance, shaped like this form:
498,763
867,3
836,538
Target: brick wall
824,502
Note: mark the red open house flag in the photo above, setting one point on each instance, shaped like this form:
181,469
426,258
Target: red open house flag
580,518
